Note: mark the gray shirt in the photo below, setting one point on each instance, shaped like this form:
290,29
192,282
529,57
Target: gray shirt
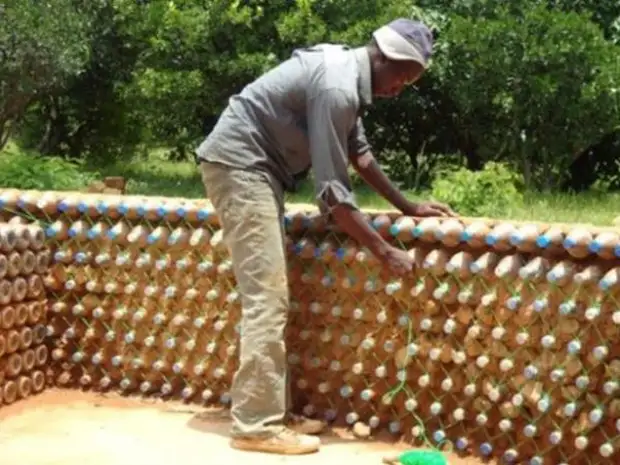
304,112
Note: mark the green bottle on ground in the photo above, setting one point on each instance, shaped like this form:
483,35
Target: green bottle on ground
422,457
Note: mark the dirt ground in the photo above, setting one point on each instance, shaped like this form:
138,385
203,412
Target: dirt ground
73,428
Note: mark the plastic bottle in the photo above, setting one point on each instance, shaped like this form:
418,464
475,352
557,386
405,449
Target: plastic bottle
69,205
88,205
418,457
426,229
459,265
304,249
610,280
475,234
153,209
561,273
158,237
326,251
346,254
199,239
138,236
119,232
296,222
179,237
552,240
450,232
485,264
446,291
435,262
508,267
588,275
534,270
524,238
499,237
604,244
402,228
577,242
58,230
46,203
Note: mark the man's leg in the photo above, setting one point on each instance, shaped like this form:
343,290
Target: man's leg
299,423
250,213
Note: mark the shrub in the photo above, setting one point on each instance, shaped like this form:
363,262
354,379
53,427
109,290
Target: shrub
28,171
479,193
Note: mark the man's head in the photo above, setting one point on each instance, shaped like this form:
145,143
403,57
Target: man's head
399,55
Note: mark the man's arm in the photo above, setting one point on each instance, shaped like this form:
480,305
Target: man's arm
369,170
330,120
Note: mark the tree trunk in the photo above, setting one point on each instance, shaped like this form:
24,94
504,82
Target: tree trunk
5,133
472,161
50,115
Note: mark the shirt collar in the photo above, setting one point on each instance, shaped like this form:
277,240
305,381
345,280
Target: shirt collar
364,78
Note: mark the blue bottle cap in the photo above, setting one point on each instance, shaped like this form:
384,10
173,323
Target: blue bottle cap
516,238
569,243
491,239
595,246
62,206
102,207
162,211
486,448
543,241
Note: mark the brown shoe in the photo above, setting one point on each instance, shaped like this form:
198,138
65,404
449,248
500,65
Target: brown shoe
303,425
287,442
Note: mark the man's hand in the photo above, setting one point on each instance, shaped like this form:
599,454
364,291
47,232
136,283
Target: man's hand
427,209
370,171
398,261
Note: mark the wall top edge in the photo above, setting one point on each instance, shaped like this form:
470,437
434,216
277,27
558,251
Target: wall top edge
10,196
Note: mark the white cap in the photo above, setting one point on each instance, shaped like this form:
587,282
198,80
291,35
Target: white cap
405,40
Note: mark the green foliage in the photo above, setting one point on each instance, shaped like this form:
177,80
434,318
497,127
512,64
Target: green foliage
529,83
43,45
495,188
415,172
30,171
547,95
154,175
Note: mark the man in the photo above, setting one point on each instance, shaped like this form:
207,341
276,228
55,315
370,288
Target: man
304,112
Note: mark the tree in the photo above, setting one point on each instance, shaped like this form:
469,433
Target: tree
529,92
42,45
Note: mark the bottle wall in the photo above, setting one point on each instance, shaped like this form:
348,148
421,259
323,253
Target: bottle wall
503,342
24,263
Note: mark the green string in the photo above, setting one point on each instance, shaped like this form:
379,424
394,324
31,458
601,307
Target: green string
420,423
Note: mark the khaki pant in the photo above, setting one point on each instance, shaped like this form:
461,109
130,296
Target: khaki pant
250,209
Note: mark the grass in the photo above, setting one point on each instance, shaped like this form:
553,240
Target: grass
156,176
